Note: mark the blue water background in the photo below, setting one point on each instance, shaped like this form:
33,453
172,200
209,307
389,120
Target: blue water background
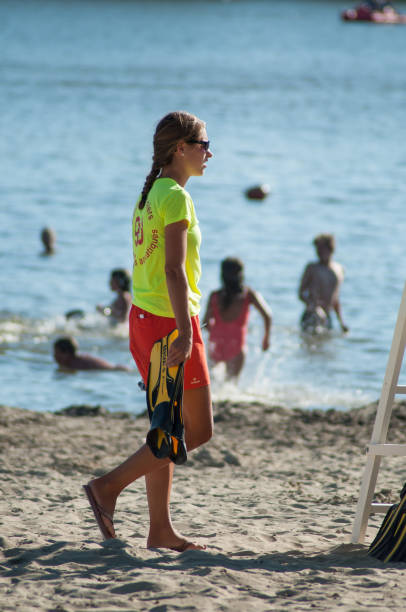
292,97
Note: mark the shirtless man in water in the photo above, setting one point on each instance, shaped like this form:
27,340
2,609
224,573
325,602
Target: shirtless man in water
320,286
67,356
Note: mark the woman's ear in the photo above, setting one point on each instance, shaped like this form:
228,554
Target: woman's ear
180,148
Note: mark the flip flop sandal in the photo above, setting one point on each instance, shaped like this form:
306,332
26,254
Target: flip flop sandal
99,512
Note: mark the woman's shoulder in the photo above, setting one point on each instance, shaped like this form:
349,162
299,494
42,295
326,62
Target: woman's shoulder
168,187
250,295
214,295
166,190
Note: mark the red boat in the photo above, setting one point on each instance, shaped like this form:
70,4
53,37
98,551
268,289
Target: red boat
364,13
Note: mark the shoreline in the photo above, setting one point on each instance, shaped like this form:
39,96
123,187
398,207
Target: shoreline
272,495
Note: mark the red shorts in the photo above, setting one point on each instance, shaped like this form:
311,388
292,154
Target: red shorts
146,328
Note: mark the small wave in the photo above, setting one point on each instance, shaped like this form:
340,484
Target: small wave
260,387
15,329
290,396
10,331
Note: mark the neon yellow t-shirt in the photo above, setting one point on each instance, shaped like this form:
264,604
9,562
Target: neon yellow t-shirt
167,203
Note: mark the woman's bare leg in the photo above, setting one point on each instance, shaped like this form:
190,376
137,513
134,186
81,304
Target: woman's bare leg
159,485
108,487
161,531
235,365
198,418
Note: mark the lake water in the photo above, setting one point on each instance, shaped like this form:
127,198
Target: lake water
292,97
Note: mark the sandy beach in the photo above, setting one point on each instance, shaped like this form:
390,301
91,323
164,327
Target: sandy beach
272,495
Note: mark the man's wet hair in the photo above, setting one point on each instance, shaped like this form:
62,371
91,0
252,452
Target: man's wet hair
327,240
66,345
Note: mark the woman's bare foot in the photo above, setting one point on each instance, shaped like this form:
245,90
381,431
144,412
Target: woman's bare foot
187,545
173,541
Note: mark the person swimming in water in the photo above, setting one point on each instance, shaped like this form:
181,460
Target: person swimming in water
119,309
67,356
48,239
320,286
227,318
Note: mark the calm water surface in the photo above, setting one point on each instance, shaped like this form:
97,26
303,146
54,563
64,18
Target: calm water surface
292,97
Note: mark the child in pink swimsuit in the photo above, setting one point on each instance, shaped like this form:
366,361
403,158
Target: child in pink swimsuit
227,317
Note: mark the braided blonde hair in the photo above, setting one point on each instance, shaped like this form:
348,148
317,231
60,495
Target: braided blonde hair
172,128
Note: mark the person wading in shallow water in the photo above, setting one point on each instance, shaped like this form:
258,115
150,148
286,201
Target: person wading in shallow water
227,318
166,241
320,287
119,309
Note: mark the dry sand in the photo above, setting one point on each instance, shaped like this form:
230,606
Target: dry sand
273,496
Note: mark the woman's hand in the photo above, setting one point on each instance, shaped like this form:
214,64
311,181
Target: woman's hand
180,350
104,310
265,343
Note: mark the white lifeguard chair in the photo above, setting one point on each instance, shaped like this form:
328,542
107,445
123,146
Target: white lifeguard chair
378,447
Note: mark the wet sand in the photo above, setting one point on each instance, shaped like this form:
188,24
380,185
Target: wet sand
272,495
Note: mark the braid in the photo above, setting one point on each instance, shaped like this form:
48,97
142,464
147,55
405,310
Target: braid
149,181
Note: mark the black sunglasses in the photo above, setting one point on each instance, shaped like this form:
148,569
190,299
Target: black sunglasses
205,143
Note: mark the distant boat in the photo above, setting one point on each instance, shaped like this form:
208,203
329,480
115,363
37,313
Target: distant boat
364,12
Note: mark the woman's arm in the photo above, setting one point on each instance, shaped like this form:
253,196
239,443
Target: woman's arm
175,257
208,313
264,310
